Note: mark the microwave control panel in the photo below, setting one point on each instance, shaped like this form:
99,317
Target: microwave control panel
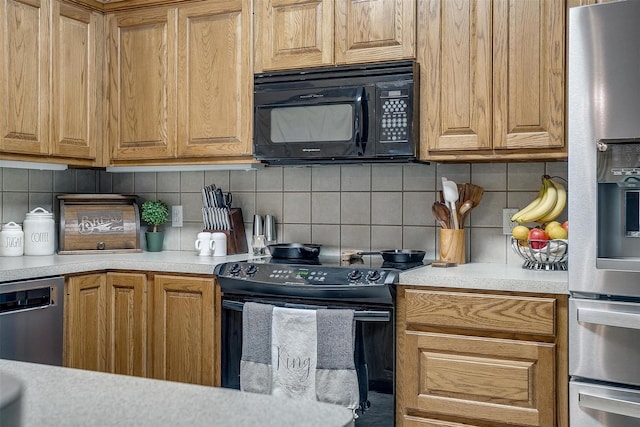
395,117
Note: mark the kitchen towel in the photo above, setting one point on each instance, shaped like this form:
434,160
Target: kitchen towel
294,353
255,363
336,377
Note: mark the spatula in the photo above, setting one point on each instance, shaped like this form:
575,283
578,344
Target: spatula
450,191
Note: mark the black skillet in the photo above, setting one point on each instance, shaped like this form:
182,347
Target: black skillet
294,250
398,255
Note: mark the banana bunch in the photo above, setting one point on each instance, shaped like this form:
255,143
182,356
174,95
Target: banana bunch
547,206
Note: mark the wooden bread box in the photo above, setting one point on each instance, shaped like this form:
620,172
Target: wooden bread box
92,223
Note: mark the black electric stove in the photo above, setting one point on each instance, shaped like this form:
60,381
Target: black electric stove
366,279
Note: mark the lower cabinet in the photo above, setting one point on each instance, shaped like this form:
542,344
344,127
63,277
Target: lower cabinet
480,359
150,325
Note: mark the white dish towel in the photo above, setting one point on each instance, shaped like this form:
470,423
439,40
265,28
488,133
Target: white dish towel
294,353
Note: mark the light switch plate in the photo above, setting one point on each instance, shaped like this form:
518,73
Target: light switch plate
176,216
507,224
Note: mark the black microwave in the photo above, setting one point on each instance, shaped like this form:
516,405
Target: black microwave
347,114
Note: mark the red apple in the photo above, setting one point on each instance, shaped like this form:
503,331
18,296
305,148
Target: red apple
565,225
538,234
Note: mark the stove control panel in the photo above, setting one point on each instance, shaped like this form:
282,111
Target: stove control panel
286,274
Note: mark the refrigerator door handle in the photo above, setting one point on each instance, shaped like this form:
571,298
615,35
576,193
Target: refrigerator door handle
609,318
609,404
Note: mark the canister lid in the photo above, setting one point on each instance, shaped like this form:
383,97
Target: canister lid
39,213
12,226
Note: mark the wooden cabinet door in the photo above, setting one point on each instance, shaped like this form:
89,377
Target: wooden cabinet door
528,74
374,30
76,116
293,34
455,55
142,84
215,79
127,323
489,380
492,79
24,76
185,337
86,322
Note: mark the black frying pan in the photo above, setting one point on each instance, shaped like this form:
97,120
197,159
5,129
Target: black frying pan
294,250
398,255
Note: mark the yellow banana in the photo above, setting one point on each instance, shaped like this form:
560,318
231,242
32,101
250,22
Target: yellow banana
531,206
560,204
545,206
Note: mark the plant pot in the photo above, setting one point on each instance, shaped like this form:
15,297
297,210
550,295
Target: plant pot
154,240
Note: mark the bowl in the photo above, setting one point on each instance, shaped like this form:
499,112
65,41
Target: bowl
542,254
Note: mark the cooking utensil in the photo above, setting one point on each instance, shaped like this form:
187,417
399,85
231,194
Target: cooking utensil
442,214
463,211
398,255
450,191
294,250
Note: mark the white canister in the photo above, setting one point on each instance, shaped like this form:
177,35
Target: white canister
11,240
39,233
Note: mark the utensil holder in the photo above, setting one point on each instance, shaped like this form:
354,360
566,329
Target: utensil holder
452,245
236,238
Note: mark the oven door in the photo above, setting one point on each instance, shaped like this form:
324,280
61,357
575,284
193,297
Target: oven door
312,123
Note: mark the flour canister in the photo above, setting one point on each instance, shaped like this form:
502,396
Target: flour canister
11,240
39,233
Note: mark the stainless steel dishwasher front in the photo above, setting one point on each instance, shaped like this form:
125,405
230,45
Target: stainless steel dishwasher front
31,315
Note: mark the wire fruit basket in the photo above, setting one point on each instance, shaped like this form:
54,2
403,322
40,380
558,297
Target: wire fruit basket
542,254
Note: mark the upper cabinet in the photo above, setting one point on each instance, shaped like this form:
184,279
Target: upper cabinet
492,79
297,34
49,62
180,82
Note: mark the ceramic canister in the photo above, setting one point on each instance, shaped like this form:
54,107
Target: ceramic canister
11,240
39,233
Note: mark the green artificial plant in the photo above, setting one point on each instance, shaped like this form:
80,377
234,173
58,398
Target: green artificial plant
155,213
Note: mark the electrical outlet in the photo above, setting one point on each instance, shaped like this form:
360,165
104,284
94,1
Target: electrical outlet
176,216
507,224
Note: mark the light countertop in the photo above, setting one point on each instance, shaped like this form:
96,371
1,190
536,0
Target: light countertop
482,276
56,396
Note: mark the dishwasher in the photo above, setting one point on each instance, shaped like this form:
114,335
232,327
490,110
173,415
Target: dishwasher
31,314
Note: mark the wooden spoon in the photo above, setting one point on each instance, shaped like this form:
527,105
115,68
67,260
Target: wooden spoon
442,214
464,210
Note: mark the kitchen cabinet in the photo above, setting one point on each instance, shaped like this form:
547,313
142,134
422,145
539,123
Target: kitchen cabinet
492,80
149,325
186,332
107,323
478,358
49,61
292,34
180,82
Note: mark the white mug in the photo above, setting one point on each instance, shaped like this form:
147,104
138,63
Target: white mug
220,240
204,244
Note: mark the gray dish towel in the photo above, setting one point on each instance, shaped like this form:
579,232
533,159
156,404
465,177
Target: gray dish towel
336,377
255,363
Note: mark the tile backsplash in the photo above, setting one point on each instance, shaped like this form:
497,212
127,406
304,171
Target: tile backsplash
341,207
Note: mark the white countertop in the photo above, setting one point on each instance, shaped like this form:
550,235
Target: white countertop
483,276
56,396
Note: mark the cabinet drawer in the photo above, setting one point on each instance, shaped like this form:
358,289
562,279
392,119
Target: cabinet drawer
410,421
487,379
497,313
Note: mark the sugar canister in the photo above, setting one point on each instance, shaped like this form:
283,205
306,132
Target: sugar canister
39,233
11,240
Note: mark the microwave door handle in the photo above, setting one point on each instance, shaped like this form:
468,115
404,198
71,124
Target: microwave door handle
609,404
363,117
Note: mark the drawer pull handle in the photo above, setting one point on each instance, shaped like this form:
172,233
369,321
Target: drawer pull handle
609,404
609,318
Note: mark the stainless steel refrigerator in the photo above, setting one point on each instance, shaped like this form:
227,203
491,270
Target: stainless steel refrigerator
604,214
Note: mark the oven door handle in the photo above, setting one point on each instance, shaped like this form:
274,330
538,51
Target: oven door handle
616,319
359,315
609,404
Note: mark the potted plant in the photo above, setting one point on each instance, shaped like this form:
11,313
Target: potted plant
155,213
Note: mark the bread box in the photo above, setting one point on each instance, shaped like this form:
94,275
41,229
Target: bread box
91,223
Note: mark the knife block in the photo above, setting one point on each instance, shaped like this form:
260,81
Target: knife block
236,239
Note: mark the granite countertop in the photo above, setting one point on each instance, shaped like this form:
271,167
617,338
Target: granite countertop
56,396
483,276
